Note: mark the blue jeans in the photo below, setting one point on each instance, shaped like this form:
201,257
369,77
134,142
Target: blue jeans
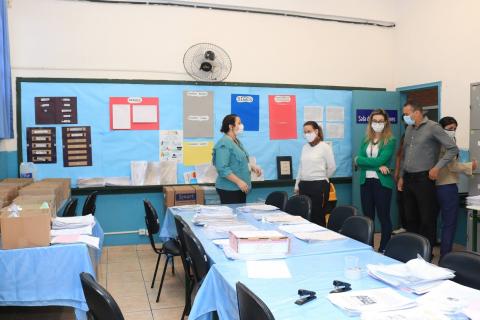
376,199
447,196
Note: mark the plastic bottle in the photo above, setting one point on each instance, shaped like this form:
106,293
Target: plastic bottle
28,170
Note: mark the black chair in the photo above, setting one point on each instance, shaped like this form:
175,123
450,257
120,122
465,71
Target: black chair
169,248
299,206
359,228
70,208
180,225
405,247
278,199
250,307
466,265
339,215
89,205
198,260
100,303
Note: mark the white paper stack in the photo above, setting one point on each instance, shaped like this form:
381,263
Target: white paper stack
373,300
450,298
473,201
416,313
259,207
416,275
285,218
90,182
74,229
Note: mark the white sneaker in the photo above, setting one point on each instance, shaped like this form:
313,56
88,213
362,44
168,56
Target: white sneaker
398,231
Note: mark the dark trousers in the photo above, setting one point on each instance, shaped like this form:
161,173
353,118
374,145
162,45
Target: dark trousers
318,191
448,200
230,197
376,198
421,208
402,219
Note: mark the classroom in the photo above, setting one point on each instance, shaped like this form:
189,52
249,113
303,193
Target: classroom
239,160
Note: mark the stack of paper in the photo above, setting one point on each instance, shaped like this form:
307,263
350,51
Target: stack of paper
416,275
260,207
304,227
373,300
74,229
473,201
285,218
450,298
319,236
416,313
90,182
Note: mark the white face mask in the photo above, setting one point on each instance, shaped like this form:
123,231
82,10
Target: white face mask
310,136
378,127
239,129
451,134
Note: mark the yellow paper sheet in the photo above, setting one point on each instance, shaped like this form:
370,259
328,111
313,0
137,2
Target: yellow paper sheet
195,153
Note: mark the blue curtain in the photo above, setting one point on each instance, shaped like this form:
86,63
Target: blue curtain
6,111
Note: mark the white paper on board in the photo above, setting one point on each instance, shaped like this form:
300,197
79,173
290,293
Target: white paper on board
144,113
313,113
335,130
121,117
334,113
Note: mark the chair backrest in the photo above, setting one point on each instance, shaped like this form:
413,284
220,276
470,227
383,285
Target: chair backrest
278,199
89,205
100,303
466,265
359,228
250,307
405,247
198,258
151,221
180,225
299,206
70,208
339,215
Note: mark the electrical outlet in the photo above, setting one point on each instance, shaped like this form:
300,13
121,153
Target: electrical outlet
142,232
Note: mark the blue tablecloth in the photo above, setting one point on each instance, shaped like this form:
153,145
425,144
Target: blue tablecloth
314,273
297,248
48,276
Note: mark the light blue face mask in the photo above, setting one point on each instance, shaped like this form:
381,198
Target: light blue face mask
408,120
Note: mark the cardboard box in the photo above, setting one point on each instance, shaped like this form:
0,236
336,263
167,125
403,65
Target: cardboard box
183,195
32,208
259,242
16,182
30,229
37,200
7,194
65,183
37,189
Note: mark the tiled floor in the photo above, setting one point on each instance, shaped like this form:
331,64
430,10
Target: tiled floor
127,272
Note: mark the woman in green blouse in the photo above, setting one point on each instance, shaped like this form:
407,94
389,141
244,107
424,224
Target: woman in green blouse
376,181
231,160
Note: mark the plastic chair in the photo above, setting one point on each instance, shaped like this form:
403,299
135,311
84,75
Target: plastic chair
100,303
299,206
180,225
250,307
70,208
339,215
466,265
89,205
169,248
359,228
278,199
405,247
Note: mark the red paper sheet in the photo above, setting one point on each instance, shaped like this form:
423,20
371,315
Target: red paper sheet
136,102
283,117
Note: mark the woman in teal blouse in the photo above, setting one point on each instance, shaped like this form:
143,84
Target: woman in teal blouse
376,181
231,160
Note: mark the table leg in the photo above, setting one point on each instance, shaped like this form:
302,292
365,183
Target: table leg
474,230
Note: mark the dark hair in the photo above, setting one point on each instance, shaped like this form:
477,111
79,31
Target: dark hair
227,121
445,121
315,126
414,105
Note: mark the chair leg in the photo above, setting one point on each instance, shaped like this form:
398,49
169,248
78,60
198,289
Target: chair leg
173,264
156,269
163,276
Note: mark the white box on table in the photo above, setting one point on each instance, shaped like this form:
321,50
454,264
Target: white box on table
259,242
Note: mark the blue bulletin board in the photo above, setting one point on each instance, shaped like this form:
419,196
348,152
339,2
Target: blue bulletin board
113,150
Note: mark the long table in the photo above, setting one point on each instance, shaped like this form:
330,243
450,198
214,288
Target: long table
48,276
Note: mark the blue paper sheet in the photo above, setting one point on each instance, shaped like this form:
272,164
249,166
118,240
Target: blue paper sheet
246,106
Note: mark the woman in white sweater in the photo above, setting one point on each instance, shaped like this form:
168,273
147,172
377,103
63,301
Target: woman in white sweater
317,165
